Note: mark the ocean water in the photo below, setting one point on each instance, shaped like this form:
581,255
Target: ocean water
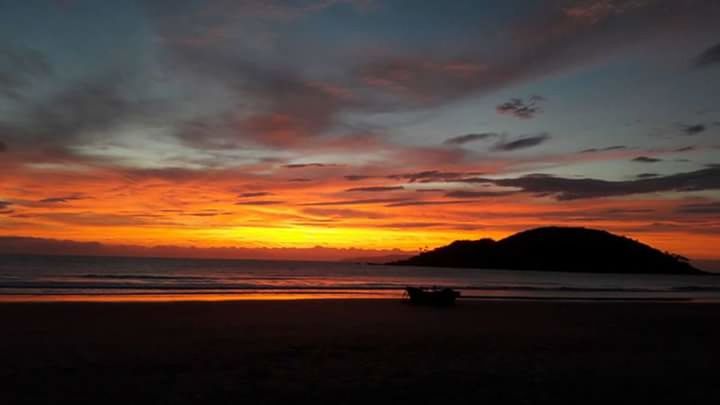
118,278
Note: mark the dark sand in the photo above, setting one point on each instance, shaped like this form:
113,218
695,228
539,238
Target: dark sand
374,351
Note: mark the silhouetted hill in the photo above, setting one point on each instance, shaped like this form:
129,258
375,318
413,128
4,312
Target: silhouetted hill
556,249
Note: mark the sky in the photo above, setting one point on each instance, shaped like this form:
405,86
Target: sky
358,126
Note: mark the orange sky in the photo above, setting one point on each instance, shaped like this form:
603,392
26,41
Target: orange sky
234,209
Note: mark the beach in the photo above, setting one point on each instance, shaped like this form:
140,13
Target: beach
359,351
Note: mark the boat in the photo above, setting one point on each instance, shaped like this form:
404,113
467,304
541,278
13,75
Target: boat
439,296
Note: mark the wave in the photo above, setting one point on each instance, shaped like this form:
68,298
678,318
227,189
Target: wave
218,285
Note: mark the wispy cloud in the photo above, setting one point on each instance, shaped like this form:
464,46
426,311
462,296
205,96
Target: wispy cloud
694,129
522,143
573,189
20,68
375,189
520,108
255,194
646,159
463,139
710,56
605,149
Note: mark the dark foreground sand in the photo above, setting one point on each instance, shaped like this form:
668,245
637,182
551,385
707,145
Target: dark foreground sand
346,351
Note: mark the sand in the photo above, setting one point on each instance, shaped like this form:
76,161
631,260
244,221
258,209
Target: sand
345,351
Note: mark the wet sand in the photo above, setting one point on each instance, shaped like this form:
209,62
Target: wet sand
359,351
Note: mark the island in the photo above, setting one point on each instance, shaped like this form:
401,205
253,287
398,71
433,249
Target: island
561,249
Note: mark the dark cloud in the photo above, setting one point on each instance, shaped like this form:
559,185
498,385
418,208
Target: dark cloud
304,165
62,199
574,189
710,56
685,149
410,225
19,69
260,202
646,175
606,149
375,189
476,194
422,203
3,147
209,213
520,108
353,202
299,180
82,111
357,177
463,139
287,109
342,213
701,208
255,194
4,204
694,129
429,176
522,143
646,159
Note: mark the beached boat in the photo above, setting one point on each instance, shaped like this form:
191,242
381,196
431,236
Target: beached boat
432,295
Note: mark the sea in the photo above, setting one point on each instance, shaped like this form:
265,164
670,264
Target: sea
73,278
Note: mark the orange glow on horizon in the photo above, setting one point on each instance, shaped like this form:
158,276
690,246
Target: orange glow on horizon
242,210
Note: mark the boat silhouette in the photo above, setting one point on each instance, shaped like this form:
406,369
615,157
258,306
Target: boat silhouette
439,296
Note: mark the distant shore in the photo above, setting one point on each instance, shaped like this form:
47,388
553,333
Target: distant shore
359,351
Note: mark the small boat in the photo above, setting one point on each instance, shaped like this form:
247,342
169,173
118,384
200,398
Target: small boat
431,296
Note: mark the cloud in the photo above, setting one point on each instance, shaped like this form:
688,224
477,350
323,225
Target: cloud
646,175
646,159
694,129
476,194
304,165
260,202
574,189
3,147
255,194
550,39
522,143
606,149
357,177
520,108
78,114
4,205
19,69
595,11
712,208
463,139
375,189
685,149
425,176
430,190
342,213
290,107
352,202
422,203
62,199
429,176
708,57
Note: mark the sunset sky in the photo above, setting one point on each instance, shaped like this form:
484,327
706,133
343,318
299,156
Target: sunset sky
369,124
